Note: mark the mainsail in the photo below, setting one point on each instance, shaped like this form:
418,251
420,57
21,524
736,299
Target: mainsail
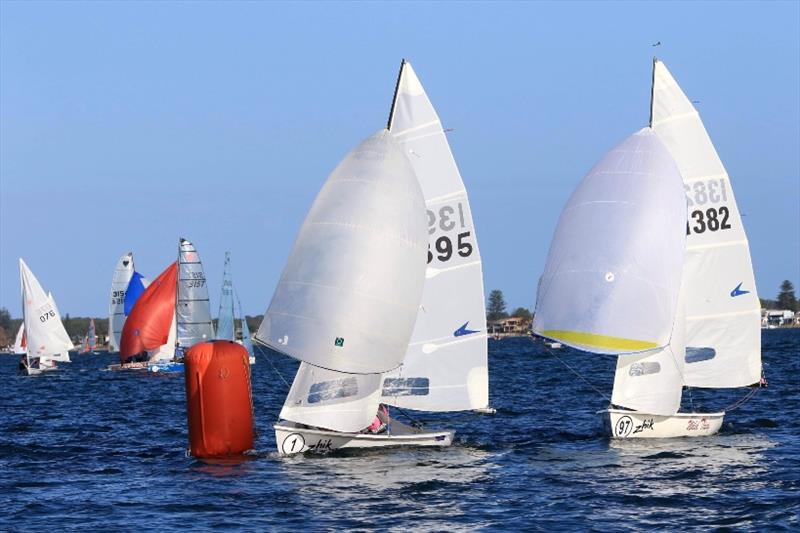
723,335
445,366
116,308
192,311
225,320
613,272
89,339
152,320
45,334
348,297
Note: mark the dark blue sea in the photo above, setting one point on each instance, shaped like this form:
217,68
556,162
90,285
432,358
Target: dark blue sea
89,450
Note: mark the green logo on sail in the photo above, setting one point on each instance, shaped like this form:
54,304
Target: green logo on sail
339,342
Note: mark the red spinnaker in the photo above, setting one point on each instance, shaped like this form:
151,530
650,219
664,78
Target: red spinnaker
148,323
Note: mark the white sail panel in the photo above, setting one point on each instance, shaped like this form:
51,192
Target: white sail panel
44,331
19,349
652,383
349,293
445,367
165,352
116,306
61,357
332,400
723,310
192,310
613,272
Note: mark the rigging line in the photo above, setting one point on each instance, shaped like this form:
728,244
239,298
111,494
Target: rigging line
735,405
414,421
552,352
269,360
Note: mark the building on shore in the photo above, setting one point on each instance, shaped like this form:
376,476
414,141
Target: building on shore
512,325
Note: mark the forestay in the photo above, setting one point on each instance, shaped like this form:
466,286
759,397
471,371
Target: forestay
350,290
225,327
192,310
723,335
45,334
613,272
445,367
116,308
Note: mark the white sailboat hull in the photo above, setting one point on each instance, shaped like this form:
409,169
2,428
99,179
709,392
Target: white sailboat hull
623,424
292,438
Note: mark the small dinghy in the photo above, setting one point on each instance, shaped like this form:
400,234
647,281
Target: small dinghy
365,316
298,438
45,339
172,314
627,275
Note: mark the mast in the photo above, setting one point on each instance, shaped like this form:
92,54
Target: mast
652,90
394,97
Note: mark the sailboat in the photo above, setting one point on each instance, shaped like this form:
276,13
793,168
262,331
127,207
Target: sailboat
46,339
89,339
20,341
116,308
226,318
628,275
444,359
170,316
247,341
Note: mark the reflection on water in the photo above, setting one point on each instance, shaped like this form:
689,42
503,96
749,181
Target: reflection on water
417,484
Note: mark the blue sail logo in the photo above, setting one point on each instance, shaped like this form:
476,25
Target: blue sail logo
463,330
738,291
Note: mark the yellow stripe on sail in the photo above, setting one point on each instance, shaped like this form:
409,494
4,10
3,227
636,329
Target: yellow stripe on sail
593,340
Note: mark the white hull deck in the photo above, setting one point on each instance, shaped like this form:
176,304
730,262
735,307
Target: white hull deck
623,424
292,438
164,366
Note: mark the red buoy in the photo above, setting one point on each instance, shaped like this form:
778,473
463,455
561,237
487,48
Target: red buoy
218,399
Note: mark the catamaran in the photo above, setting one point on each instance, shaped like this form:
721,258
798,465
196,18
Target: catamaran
226,321
170,316
627,274
440,364
46,339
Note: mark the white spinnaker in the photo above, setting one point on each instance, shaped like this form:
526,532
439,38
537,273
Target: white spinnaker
652,382
44,331
350,290
18,348
446,366
116,306
192,310
332,400
723,322
613,272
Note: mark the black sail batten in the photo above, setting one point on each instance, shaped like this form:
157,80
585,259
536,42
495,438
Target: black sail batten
394,98
652,89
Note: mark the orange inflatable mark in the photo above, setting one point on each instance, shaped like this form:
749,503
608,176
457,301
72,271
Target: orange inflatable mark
218,399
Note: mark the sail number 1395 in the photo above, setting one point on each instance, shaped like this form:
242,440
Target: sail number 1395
449,220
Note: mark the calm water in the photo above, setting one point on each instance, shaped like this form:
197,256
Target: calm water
84,449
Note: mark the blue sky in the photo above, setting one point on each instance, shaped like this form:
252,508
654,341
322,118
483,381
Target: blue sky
125,125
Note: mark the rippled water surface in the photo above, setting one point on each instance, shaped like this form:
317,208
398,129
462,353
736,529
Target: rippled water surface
85,449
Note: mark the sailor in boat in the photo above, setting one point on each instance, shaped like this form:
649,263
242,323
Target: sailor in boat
381,422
